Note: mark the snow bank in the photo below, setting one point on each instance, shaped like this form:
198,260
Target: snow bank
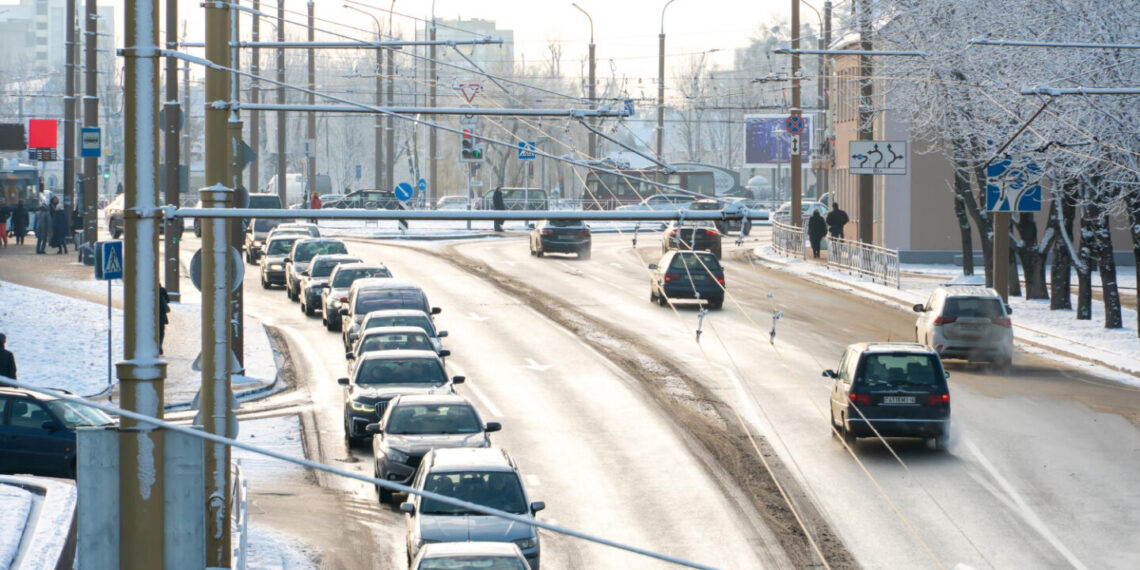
15,505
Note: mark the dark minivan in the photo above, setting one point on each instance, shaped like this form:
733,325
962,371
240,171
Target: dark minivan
891,389
681,274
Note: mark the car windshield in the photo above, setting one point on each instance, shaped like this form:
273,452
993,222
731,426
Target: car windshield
281,246
495,489
369,301
885,372
472,562
421,321
310,231
408,371
264,202
694,261
984,307
324,267
433,419
74,416
345,277
264,225
395,341
703,205
307,251
564,223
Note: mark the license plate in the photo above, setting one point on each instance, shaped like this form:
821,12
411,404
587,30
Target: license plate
698,278
898,399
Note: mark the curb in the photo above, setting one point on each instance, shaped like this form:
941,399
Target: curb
44,544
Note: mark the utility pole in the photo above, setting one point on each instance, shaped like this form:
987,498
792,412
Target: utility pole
236,227
311,125
173,113
825,96
141,373
91,119
69,191
187,149
592,148
433,192
389,129
282,164
216,337
866,129
661,86
796,162
254,183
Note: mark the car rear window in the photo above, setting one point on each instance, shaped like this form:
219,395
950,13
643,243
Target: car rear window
985,307
281,246
369,301
889,371
495,489
395,341
694,261
345,277
307,251
565,223
264,202
324,267
433,419
410,371
420,321
264,225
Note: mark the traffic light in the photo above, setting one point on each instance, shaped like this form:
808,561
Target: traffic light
471,148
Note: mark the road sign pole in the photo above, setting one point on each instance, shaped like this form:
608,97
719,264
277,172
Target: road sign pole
1001,254
796,165
110,344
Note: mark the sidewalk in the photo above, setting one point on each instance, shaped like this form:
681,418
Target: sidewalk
1113,354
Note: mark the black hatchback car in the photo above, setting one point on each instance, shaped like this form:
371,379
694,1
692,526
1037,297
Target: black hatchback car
694,235
37,432
560,236
683,274
891,390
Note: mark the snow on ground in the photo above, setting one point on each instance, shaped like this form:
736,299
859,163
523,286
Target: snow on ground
1118,350
15,505
58,341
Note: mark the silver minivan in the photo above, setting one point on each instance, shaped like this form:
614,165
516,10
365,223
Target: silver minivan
967,323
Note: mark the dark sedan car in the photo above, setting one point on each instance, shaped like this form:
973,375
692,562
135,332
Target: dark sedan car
37,432
560,236
693,235
304,251
335,295
891,390
381,376
316,278
255,235
683,274
273,259
413,425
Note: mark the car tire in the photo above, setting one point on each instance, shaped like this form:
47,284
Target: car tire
385,494
848,437
331,325
716,303
538,253
308,309
652,295
939,442
662,300
264,283
302,307
584,254
351,441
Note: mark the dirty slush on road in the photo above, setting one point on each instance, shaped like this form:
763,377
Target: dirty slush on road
716,434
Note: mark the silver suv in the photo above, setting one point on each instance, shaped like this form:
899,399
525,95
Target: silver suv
484,476
968,323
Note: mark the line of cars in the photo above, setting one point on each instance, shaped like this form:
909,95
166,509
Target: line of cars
399,394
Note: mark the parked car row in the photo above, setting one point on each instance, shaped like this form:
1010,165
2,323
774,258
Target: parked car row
398,394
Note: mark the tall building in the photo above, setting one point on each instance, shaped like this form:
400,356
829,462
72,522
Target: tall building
33,34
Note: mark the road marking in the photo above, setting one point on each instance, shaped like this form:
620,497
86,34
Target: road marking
483,399
533,481
475,317
530,363
1023,509
616,264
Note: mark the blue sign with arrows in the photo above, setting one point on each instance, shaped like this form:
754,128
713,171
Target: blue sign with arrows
109,260
421,185
404,191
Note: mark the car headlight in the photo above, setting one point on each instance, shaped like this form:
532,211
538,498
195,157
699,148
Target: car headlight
275,267
525,543
397,456
362,407
256,243
336,304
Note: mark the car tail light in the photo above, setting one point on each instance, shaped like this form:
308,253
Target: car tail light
938,400
942,320
673,233
711,232
1002,321
547,232
720,279
584,233
344,299
864,399
672,276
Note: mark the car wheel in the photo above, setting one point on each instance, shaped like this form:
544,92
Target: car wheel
303,310
264,283
584,254
385,493
661,300
538,253
308,310
716,302
939,442
331,325
349,440
652,295
848,436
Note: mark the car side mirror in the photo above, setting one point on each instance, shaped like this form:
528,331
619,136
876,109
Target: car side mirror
441,334
50,426
1008,310
325,286
919,308
436,310
492,426
372,428
829,374
342,312
305,273
537,506
444,353
458,379
653,266
531,226
287,260
946,374
349,356
342,381
408,507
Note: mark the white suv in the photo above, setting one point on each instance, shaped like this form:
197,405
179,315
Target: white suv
968,323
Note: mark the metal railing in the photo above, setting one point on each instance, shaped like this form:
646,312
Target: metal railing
878,263
789,240
239,519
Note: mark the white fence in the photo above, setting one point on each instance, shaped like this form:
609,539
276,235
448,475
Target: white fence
878,263
789,240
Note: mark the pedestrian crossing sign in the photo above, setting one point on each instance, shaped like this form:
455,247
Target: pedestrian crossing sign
109,261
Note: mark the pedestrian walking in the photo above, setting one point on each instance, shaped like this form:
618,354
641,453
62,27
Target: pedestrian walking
498,204
817,228
836,219
7,360
20,222
58,226
42,228
5,213
163,310
314,204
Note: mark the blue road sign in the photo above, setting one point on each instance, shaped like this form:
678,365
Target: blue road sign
526,150
359,171
89,143
404,191
1013,185
109,260
421,185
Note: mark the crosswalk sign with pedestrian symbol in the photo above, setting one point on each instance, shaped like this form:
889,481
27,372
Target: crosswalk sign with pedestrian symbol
109,261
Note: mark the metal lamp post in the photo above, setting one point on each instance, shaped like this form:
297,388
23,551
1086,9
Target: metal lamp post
593,138
379,134
661,85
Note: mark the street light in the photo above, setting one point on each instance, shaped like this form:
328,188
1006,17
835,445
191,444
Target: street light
661,85
379,133
593,138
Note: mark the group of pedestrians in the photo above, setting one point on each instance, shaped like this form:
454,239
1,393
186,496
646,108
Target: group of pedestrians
50,224
818,226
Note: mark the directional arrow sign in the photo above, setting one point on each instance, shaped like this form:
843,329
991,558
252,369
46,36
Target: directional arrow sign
247,155
878,157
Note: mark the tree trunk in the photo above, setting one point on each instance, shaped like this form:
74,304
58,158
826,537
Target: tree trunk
1014,278
1087,262
1031,258
1132,199
982,220
961,185
1060,275
1109,290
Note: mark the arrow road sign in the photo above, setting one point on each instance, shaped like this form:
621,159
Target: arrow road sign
421,185
109,262
794,145
878,157
404,191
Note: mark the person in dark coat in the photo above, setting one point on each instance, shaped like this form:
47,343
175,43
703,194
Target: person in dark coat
58,227
163,310
7,360
43,228
498,203
836,219
20,222
817,228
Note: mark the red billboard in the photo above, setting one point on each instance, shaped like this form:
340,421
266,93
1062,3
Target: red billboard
42,133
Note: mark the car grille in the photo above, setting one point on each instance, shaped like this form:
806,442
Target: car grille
414,461
380,407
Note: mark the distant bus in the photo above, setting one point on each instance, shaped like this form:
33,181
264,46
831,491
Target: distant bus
20,182
607,190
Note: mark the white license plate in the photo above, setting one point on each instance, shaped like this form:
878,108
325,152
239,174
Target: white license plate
898,399
698,278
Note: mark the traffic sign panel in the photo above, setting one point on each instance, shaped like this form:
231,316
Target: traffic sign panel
404,191
421,185
878,157
795,124
89,142
526,150
1013,185
109,261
